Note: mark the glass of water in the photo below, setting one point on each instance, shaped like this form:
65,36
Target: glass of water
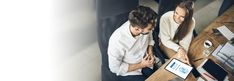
207,47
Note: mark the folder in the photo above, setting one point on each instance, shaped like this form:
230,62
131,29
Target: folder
215,70
211,71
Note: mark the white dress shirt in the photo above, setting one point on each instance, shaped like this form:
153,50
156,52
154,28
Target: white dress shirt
124,49
168,29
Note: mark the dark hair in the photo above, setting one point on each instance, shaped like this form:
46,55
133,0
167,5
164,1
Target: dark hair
142,16
185,26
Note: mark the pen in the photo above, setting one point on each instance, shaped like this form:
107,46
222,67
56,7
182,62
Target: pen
197,59
209,76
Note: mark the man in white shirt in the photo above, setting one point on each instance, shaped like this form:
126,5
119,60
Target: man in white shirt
130,49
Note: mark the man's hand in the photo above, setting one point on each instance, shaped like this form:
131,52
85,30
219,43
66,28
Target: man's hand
147,61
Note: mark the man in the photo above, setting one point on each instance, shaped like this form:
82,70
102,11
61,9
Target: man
130,48
111,14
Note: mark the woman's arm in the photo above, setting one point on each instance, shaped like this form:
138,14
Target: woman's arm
164,34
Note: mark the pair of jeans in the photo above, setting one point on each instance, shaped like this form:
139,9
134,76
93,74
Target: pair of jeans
145,71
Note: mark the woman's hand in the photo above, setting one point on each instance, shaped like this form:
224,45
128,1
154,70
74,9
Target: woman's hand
182,55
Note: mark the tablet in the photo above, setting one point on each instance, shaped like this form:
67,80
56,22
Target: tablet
179,68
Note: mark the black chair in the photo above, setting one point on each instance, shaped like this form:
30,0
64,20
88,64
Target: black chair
225,5
106,27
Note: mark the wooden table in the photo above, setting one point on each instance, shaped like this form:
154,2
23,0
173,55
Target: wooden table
196,48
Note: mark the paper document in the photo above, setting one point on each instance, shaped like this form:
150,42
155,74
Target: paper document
225,54
226,32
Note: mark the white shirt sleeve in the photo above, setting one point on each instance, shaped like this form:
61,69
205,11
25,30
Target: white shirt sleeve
185,43
115,56
164,35
151,41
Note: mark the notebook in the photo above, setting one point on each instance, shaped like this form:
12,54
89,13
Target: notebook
178,68
215,70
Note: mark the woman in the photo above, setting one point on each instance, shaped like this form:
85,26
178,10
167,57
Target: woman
176,29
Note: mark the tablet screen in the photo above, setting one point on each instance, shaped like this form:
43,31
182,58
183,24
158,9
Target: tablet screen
178,68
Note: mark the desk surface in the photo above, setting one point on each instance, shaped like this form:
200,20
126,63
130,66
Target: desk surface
196,47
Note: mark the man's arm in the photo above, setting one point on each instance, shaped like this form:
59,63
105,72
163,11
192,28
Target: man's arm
150,49
150,52
116,64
